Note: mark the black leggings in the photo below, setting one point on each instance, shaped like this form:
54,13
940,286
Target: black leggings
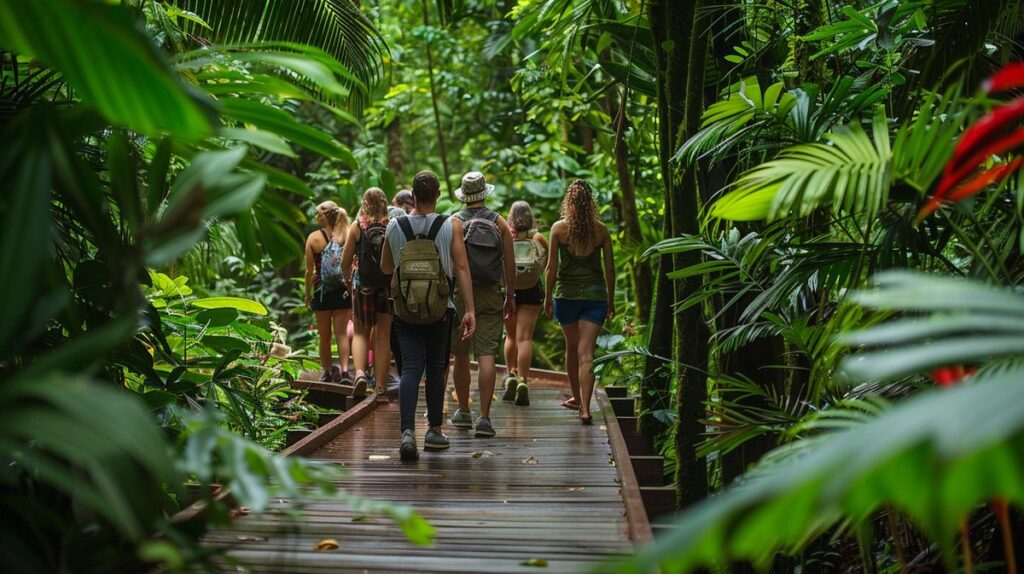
425,350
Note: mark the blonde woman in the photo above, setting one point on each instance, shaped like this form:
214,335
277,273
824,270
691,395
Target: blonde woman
580,294
531,249
370,286
326,294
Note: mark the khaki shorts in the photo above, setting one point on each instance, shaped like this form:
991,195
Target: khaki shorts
489,302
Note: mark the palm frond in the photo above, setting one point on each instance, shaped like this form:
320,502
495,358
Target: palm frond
336,26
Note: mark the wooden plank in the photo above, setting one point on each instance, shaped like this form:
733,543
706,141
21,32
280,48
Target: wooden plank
659,500
650,470
340,424
623,406
636,514
616,391
628,425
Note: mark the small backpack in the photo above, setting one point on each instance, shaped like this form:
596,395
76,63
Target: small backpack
419,287
529,262
483,246
371,243
330,264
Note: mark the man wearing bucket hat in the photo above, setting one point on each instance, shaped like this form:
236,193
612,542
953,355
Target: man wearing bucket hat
488,242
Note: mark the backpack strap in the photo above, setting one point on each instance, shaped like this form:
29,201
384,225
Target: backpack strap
406,227
324,233
435,227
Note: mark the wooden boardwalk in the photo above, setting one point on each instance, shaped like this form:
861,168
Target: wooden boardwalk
544,489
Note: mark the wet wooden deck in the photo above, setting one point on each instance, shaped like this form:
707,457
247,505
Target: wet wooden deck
545,488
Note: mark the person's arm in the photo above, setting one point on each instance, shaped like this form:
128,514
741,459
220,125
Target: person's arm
460,267
549,285
310,269
348,254
609,272
508,255
387,260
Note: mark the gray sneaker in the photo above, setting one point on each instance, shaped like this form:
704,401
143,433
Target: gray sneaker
522,393
462,420
484,428
435,440
408,449
510,383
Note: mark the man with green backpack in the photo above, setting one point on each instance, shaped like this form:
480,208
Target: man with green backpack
488,242
425,254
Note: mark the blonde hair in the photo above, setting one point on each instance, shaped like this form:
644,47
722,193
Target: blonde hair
333,214
580,215
520,217
374,208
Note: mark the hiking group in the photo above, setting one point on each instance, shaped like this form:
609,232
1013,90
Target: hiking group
408,282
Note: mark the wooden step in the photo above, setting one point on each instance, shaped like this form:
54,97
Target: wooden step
638,445
623,406
662,528
658,500
329,400
616,391
325,418
628,425
649,470
293,436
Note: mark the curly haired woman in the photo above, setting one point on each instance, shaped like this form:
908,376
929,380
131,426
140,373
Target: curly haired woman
580,294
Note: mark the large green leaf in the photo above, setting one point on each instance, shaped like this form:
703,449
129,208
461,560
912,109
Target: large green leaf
284,124
934,457
247,305
122,76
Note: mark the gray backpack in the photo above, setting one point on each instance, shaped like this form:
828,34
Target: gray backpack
483,245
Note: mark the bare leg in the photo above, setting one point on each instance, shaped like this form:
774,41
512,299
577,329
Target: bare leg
511,347
526,320
323,328
588,337
460,376
361,347
340,319
571,332
486,383
382,350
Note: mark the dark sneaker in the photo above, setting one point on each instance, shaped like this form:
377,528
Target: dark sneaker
359,387
484,428
510,388
336,374
462,420
435,440
408,451
325,377
522,394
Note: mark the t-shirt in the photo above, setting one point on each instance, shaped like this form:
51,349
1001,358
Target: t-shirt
421,226
395,211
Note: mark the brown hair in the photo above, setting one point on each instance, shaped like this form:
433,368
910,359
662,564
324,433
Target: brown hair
580,214
402,198
520,217
374,208
426,187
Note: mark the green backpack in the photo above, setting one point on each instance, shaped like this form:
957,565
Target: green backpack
420,287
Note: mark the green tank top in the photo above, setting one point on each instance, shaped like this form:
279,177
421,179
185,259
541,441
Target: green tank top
580,277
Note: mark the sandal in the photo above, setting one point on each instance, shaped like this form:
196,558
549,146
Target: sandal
570,404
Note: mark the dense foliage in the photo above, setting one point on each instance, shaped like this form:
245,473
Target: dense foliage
816,208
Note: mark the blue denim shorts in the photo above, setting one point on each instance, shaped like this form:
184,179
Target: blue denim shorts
569,311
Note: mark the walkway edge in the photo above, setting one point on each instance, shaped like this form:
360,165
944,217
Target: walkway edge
329,431
636,515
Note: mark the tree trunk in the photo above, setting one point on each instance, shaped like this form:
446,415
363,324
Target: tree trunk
640,269
680,102
442,148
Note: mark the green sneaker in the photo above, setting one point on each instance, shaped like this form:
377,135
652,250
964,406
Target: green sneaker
435,440
522,393
510,388
462,420
484,428
408,450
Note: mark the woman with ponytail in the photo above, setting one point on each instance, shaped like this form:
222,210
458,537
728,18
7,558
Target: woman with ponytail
326,294
580,294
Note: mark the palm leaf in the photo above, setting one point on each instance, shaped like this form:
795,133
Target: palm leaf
935,456
335,26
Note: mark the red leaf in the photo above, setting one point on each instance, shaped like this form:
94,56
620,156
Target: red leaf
1009,77
952,178
1002,118
984,179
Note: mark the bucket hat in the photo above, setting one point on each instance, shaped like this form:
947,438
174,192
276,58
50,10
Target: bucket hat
473,188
